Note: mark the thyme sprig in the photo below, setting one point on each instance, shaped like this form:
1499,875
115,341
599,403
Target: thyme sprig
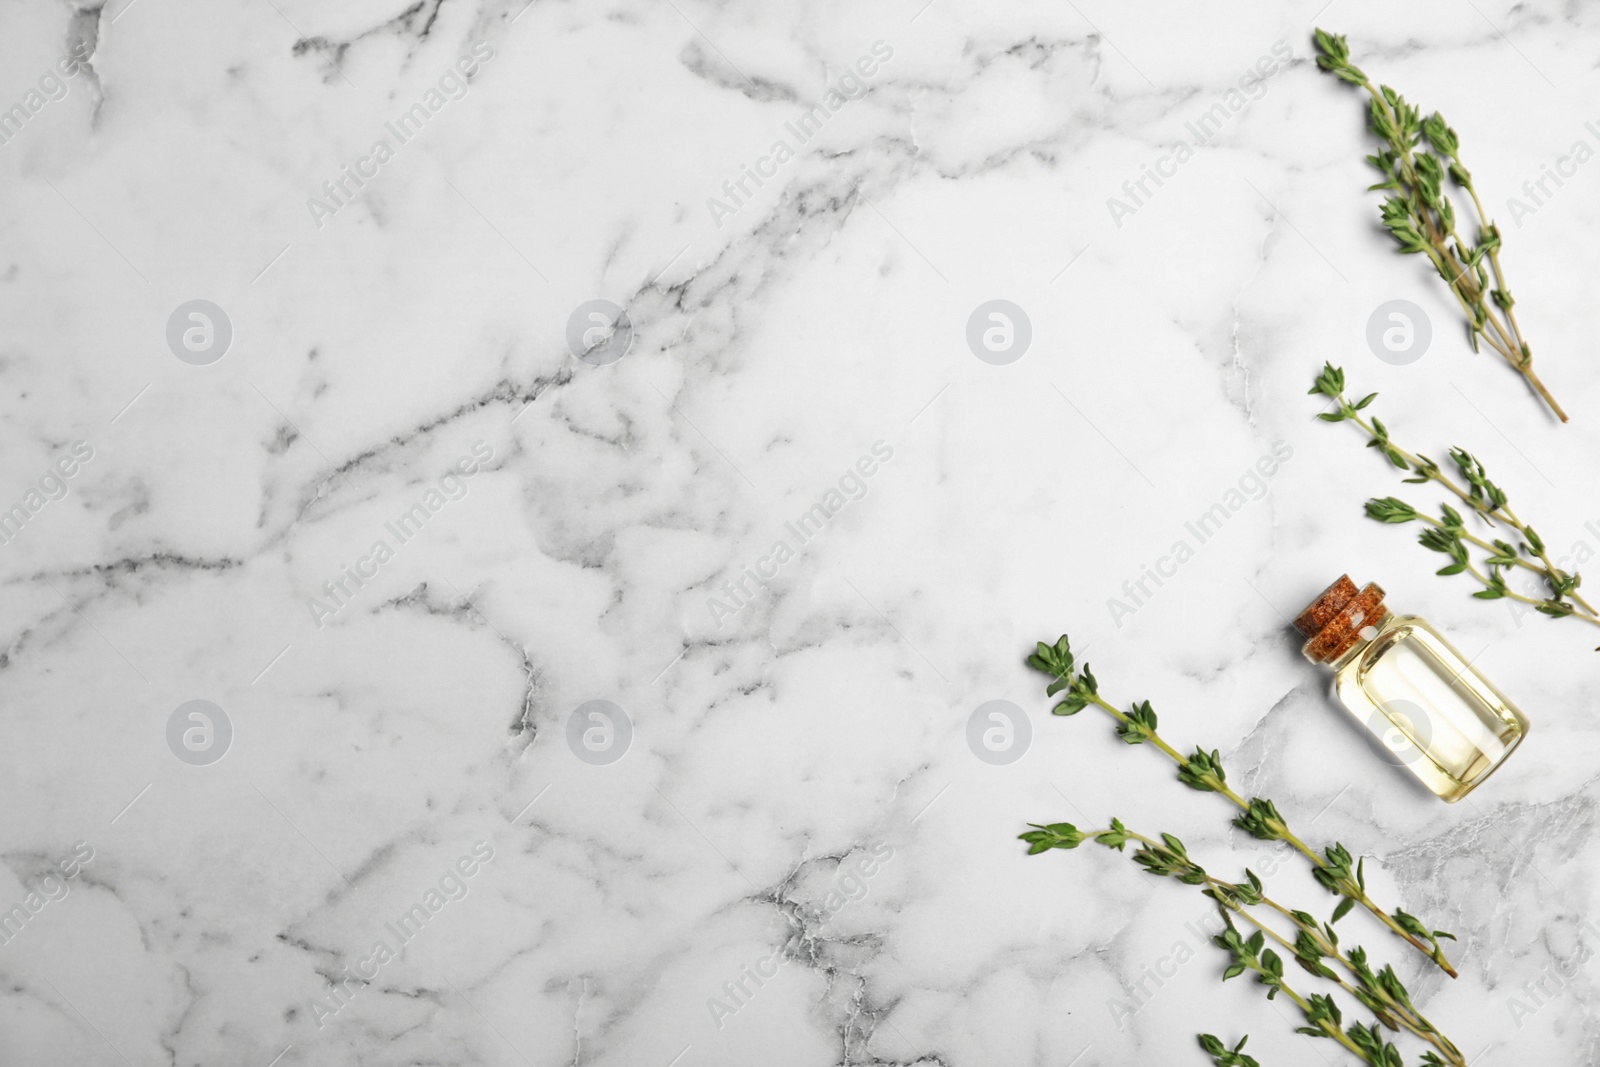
1448,533
1334,868
1422,219
1380,992
1223,1056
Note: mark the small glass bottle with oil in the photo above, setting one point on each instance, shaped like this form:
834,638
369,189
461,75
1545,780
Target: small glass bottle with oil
1424,702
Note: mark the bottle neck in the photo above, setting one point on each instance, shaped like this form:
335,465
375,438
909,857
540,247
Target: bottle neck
1367,634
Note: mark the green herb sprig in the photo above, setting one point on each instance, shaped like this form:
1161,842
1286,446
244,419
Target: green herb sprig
1422,220
1380,992
1334,868
1223,1056
1448,533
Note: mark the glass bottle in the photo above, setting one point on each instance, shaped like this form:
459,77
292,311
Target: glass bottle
1428,707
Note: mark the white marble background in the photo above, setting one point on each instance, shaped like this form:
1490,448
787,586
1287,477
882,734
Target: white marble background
372,351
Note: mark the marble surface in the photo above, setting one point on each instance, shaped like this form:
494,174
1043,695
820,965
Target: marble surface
395,535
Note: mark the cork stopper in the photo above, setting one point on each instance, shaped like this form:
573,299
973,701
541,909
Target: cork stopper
1341,616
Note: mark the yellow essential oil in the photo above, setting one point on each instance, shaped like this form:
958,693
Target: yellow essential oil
1428,707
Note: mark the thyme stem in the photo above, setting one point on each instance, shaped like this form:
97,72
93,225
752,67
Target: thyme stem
1274,824
1418,153
1449,534
1335,869
1381,992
